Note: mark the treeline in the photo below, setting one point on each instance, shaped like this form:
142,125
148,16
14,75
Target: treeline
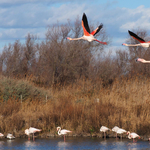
55,60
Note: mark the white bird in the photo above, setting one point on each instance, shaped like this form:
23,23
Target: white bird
142,60
115,129
132,135
10,136
31,130
142,42
104,129
88,36
121,131
63,132
1,135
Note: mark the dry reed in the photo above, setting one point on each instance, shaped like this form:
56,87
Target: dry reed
82,107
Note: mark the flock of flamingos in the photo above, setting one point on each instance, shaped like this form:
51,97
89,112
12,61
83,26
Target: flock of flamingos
89,36
63,132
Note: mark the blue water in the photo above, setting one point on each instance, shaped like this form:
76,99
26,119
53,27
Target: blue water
73,143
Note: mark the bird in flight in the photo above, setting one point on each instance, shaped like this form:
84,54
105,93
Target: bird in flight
142,42
88,36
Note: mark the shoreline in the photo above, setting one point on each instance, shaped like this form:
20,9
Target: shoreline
83,135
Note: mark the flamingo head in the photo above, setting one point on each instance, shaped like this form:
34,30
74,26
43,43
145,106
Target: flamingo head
128,132
58,128
69,38
140,59
139,137
124,44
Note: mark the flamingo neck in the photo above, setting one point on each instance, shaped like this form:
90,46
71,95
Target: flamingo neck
76,38
146,61
59,133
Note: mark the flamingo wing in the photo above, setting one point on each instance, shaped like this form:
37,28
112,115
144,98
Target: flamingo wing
33,130
64,131
136,37
85,25
97,29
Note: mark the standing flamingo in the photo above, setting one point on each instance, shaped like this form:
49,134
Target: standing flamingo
1,135
142,42
115,129
142,60
121,131
31,130
88,36
132,135
104,129
62,132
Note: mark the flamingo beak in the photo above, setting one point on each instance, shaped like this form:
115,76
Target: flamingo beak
136,59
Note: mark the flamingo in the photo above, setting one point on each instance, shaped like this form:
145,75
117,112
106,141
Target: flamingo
132,135
115,129
88,36
142,60
63,132
142,42
10,136
31,130
104,129
121,131
1,135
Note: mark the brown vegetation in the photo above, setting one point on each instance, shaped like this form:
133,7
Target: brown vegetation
61,83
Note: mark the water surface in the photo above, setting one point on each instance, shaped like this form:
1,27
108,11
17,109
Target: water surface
73,143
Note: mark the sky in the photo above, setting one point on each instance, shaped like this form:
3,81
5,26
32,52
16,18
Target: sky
20,17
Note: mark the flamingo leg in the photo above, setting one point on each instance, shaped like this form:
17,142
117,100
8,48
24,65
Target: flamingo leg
116,135
64,138
104,135
29,137
33,136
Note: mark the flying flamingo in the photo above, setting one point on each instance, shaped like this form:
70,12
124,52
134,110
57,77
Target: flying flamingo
88,36
115,129
142,60
142,42
121,131
31,130
132,135
104,129
62,132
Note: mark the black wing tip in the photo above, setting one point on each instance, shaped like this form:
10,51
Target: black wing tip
101,25
130,32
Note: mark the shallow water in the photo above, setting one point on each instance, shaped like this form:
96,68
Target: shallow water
73,143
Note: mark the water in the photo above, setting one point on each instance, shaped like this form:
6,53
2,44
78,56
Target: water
73,143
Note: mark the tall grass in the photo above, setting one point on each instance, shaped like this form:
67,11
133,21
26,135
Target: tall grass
125,103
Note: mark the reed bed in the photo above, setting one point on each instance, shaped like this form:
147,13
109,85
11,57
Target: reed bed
81,107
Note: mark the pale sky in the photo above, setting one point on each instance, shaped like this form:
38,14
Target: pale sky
20,17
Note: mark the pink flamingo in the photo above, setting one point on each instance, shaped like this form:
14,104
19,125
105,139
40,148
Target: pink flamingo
63,132
142,42
115,129
88,36
31,130
132,135
104,129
